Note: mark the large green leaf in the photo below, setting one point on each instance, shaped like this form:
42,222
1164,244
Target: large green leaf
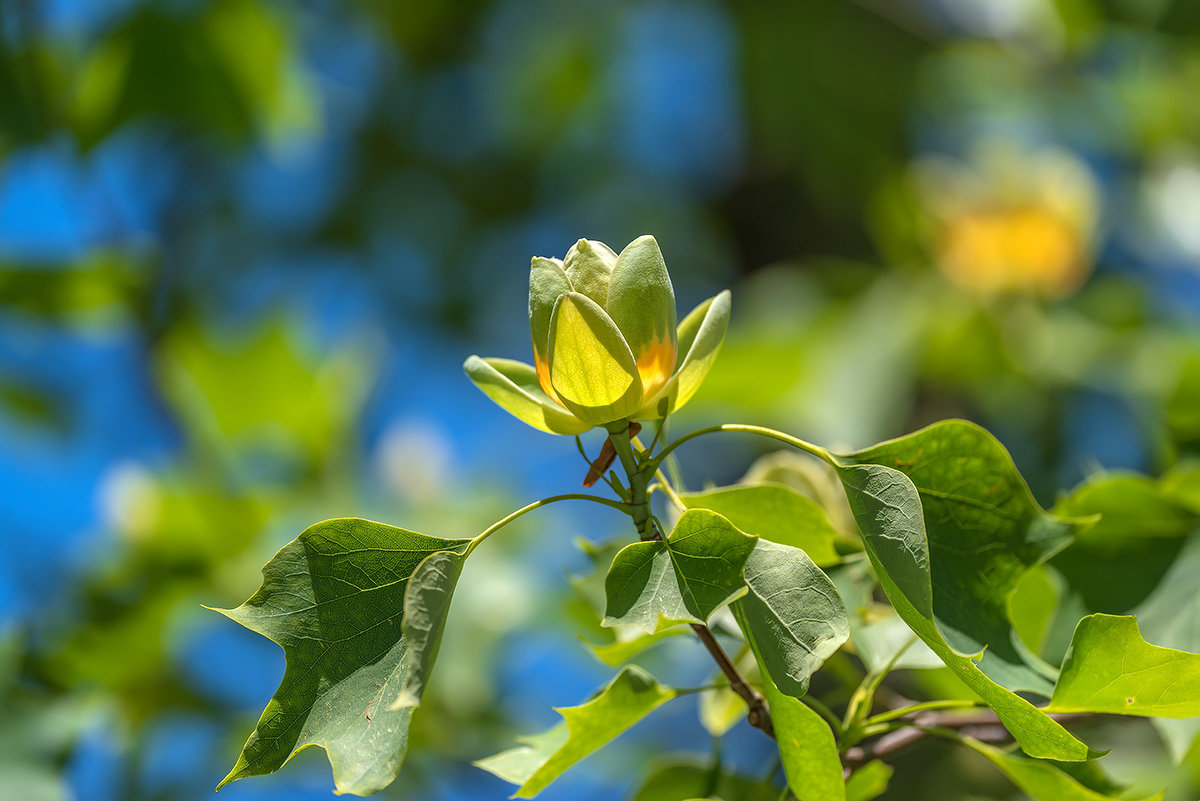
1042,780
792,615
426,603
333,598
1110,668
687,577
773,512
628,698
888,510
984,530
806,746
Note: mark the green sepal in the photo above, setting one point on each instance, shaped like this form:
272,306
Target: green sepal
700,337
641,300
591,367
514,387
589,265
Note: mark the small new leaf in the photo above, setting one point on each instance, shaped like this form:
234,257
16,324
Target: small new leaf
627,699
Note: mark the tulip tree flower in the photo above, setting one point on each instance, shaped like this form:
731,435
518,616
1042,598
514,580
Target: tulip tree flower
605,344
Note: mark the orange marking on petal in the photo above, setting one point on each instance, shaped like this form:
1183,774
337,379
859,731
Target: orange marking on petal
543,375
655,365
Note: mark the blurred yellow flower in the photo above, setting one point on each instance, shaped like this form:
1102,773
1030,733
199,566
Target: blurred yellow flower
1011,220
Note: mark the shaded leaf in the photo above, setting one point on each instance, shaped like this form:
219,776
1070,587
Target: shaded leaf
628,698
333,598
426,603
773,512
984,530
678,779
694,572
792,615
1110,668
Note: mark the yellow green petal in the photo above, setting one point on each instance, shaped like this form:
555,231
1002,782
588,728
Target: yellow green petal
701,335
514,387
591,367
641,302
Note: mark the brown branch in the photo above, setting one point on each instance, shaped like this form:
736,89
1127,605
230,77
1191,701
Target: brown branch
759,715
982,725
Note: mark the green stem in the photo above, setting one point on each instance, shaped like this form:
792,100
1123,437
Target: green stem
499,524
815,450
638,476
924,706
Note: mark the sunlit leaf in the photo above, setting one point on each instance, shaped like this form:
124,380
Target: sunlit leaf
333,598
621,651
1110,668
773,512
627,699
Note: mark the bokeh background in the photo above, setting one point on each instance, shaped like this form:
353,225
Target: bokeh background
245,247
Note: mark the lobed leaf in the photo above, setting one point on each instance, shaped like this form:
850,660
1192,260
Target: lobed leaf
333,598
628,698
1110,668
773,512
687,577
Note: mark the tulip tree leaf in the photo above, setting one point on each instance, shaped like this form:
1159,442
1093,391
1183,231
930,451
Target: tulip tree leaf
792,615
773,512
984,531
426,603
680,778
806,746
888,509
1110,668
627,699
591,366
333,598
694,572
621,651
1041,779
514,387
